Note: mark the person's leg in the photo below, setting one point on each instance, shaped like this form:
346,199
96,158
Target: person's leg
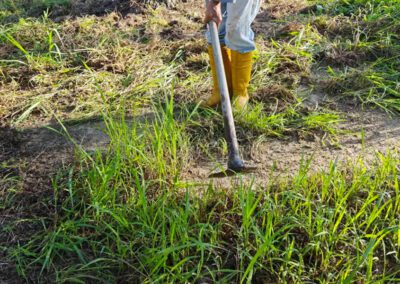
221,28
239,37
215,97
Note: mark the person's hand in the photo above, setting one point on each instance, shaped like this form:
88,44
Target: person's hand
213,12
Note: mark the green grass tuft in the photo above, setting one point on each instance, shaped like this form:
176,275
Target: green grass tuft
127,214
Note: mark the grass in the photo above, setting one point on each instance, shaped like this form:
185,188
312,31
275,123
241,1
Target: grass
129,214
364,38
59,70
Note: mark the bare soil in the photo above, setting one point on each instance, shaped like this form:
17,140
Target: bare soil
365,134
79,8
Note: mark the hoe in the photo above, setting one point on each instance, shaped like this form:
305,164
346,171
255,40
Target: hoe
235,162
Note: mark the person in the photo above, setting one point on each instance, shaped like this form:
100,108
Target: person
234,19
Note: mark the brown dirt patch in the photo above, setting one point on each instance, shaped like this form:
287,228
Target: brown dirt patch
79,8
277,9
283,157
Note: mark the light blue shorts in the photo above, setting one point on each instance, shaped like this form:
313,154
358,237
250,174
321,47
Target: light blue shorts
235,30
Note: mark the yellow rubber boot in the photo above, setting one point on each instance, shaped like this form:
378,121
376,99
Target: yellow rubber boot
241,75
215,97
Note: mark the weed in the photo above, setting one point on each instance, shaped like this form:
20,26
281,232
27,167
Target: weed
126,213
365,33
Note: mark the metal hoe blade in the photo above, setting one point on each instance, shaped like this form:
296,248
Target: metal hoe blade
235,162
